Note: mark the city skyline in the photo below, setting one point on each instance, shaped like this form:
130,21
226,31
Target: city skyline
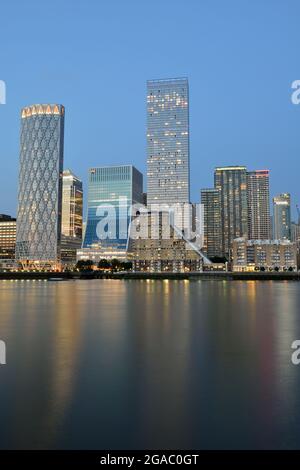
45,188
149,232
146,174
240,116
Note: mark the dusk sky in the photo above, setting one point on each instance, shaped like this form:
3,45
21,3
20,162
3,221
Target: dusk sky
94,57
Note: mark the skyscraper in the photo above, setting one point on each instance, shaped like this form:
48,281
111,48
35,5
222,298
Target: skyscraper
112,190
71,230
168,141
72,201
211,201
258,205
231,181
282,216
40,186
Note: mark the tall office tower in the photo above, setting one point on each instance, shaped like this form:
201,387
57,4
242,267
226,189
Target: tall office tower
40,186
72,201
7,237
282,216
71,227
211,202
168,141
231,181
112,190
258,191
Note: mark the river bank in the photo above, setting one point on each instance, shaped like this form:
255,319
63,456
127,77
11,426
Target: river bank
231,276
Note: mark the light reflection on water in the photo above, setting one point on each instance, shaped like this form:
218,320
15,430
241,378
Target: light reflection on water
149,364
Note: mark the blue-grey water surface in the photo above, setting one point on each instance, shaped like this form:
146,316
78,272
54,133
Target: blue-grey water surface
107,364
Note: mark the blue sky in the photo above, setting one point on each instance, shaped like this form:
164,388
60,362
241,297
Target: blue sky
94,56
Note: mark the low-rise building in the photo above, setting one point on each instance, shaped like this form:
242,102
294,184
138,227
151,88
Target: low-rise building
7,237
157,245
264,255
96,253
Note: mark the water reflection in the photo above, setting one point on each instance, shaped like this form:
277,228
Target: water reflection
149,364
43,345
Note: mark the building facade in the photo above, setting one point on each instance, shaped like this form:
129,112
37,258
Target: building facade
232,184
168,154
98,253
112,191
211,204
282,217
40,186
157,245
71,229
264,255
295,232
72,204
7,237
258,188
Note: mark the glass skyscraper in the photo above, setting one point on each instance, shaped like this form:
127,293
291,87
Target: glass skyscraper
232,183
40,185
168,179
112,190
282,216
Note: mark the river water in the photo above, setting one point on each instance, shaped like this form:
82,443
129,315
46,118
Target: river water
157,364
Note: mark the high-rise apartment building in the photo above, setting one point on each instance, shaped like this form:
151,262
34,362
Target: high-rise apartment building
112,191
168,141
232,183
282,217
258,205
211,203
40,186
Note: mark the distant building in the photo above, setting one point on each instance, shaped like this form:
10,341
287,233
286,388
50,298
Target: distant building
7,237
72,203
282,217
145,199
211,202
271,228
232,183
270,255
295,232
258,205
168,156
40,186
112,191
